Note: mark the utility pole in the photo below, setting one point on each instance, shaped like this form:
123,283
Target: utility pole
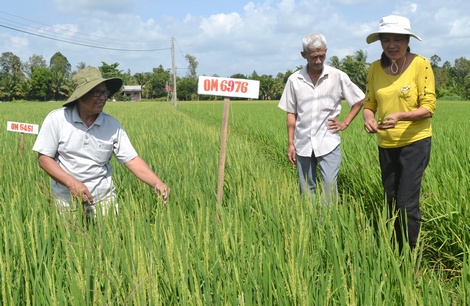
174,98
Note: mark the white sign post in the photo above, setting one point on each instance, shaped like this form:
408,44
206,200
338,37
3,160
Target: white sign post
22,128
226,87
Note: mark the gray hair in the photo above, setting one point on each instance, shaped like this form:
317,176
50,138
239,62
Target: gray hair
314,41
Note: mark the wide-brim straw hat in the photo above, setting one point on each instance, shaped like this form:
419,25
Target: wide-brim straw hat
86,79
392,24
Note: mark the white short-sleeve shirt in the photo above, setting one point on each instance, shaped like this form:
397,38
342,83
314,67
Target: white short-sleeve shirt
84,152
314,104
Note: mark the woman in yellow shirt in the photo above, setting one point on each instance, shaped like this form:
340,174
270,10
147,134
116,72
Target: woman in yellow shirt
401,91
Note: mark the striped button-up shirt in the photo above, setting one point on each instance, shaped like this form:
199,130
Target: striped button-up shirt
314,104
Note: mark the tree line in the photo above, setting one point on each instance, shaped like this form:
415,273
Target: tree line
36,79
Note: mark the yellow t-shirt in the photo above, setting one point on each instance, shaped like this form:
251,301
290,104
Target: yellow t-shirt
388,94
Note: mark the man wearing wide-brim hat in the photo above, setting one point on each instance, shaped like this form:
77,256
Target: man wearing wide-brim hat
76,143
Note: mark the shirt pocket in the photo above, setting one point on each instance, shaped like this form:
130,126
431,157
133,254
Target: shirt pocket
103,152
408,96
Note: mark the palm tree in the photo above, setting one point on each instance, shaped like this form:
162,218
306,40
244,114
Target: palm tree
334,62
8,88
23,89
59,87
356,67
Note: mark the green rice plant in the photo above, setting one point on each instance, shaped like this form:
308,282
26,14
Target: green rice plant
263,244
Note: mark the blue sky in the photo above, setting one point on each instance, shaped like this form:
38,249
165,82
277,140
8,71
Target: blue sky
225,37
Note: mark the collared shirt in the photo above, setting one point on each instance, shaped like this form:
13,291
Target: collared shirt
84,152
314,104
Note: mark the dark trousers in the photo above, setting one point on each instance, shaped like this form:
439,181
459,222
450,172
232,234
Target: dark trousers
402,173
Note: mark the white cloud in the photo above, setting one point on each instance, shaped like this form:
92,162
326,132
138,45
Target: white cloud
237,36
220,24
459,29
19,42
64,30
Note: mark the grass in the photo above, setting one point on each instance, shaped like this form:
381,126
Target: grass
263,245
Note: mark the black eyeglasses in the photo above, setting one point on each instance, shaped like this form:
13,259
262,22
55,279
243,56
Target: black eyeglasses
99,93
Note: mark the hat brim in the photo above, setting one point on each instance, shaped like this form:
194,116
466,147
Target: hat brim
113,85
375,36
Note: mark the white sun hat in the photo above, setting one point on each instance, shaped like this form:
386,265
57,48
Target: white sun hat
392,24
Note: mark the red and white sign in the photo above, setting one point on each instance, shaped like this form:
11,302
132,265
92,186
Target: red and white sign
22,127
228,87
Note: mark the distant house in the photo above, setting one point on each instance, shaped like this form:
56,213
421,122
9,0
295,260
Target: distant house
133,93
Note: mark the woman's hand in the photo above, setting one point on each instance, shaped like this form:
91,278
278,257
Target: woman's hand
371,125
388,122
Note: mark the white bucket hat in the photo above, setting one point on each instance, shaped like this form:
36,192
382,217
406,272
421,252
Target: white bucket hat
392,24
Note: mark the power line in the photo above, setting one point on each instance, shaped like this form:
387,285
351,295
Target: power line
61,29
81,44
39,32
62,34
179,48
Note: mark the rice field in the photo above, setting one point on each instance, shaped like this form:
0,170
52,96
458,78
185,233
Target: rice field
262,245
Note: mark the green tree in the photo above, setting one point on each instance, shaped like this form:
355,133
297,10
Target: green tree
269,88
442,81
435,59
60,63
59,87
11,76
282,77
466,85
35,61
41,81
128,79
11,65
7,88
356,68
23,89
187,88
110,70
335,62
143,79
254,75
192,67
158,80
458,74
447,65
239,76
